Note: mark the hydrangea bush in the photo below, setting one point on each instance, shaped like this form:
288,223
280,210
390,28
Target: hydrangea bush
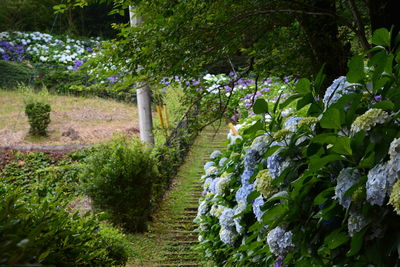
45,48
312,188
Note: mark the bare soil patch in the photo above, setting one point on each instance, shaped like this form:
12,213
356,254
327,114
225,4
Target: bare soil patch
74,120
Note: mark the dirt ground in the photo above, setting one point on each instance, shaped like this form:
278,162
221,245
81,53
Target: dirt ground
74,120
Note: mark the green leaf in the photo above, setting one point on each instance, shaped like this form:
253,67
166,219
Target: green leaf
289,100
356,243
272,213
336,239
324,195
381,37
279,195
356,69
261,106
254,128
386,105
342,146
325,138
303,86
317,163
305,100
331,119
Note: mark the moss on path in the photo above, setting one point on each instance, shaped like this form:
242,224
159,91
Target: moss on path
170,237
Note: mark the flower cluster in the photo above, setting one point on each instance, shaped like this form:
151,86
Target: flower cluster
369,119
279,241
339,88
45,48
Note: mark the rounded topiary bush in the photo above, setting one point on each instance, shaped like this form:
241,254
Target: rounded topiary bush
119,178
38,117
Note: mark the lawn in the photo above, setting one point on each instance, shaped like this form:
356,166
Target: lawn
74,120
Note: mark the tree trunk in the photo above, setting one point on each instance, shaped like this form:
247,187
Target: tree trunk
322,35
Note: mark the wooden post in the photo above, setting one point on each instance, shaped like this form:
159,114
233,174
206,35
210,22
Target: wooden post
143,97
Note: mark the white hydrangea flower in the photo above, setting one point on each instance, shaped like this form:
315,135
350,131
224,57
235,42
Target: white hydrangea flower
279,241
369,119
346,179
221,185
212,171
216,210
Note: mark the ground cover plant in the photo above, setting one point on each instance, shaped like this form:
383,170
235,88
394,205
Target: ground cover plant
38,227
315,187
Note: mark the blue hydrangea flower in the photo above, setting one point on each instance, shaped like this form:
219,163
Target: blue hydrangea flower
346,179
222,161
212,188
208,165
215,154
238,210
279,241
291,123
245,177
379,184
258,202
226,219
338,88
356,223
243,192
227,236
276,164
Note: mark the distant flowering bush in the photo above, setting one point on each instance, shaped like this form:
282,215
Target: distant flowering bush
45,48
314,186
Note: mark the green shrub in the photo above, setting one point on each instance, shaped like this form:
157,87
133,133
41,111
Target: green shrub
36,230
119,178
13,73
39,117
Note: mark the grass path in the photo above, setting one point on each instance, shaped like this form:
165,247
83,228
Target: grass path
171,235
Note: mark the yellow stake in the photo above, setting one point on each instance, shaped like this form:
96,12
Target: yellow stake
235,132
159,112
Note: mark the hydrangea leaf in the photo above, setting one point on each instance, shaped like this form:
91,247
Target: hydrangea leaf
342,146
385,105
303,86
331,119
356,243
336,239
381,37
261,106
356,70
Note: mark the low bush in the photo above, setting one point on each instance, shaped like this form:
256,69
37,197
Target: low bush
38,117
36,224
119,177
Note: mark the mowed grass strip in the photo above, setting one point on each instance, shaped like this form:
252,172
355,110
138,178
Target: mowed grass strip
94,119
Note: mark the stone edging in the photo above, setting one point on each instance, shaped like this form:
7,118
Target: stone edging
49,148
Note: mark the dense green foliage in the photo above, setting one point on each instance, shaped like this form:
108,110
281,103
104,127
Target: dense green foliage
36,220
39,15
316,187
119,177
38,117
14,73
